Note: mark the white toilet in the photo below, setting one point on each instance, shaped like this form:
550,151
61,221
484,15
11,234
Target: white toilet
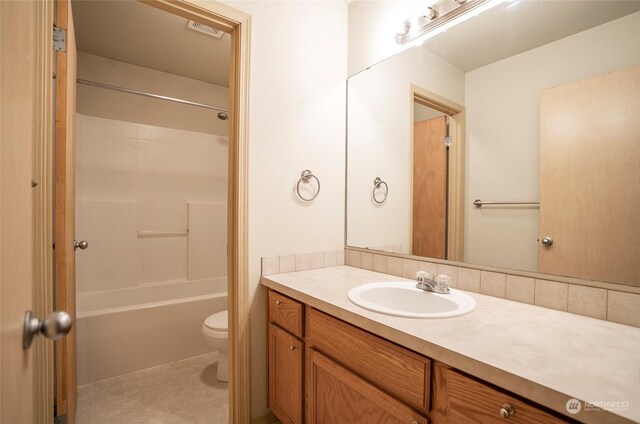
216,331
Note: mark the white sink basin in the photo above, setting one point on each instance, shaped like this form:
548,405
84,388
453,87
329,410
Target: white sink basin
403,299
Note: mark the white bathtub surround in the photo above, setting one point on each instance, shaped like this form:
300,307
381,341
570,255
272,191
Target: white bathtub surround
598,302
300,262
180,392
207,240
151,202
111,228
545,355
126,330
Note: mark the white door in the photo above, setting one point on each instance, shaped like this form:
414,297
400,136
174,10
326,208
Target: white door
21,29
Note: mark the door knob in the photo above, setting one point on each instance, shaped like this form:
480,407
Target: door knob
547,241
55,326
80,244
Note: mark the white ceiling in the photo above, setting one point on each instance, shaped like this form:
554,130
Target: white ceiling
517,26
133,32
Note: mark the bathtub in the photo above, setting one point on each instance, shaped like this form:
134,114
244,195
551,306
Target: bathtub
127,330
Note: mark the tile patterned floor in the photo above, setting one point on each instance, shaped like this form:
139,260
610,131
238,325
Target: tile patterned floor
183,392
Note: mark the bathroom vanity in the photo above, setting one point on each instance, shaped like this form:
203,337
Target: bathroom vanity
331,361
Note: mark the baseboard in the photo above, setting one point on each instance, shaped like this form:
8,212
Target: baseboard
267,418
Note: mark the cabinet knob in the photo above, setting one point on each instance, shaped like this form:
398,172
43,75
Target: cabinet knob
279,302
507,410
293,347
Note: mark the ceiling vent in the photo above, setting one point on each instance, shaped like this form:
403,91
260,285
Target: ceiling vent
205,29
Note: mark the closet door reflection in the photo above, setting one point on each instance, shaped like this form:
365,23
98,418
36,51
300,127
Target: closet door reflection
589,186
429,220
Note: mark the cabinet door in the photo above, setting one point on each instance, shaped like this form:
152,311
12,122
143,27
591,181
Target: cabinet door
336,395
285,375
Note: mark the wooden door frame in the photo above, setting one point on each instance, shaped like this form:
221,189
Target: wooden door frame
455,218
43,156
238,25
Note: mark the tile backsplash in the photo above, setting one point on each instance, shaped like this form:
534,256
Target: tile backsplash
611,305
301,262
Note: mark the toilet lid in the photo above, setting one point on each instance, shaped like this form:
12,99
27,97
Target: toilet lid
218,321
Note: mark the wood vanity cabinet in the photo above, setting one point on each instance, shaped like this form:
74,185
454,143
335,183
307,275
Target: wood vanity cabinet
286,358
325,371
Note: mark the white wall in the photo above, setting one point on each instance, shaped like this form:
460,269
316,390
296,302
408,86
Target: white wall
379,143
297,121
503,126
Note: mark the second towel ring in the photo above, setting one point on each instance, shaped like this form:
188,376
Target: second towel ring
306,177
377,183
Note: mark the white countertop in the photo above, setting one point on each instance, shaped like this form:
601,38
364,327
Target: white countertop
544,355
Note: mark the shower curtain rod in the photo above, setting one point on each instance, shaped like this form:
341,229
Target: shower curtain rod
144,93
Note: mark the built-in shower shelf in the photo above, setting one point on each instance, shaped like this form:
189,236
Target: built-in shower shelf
150,233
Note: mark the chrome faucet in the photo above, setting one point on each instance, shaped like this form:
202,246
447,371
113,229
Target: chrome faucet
439,284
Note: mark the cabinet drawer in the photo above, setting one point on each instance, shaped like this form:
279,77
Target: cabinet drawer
472,402
398,371
336,395
286,312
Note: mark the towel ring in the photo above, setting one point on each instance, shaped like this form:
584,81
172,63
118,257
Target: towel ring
377,183
306,177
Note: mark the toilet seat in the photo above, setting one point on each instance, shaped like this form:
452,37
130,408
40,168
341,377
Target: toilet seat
217,325
218,321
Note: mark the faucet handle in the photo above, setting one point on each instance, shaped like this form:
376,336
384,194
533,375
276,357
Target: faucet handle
422,275
443,282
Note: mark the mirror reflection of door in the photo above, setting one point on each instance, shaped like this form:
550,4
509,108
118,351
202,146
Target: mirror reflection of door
589,185
429,209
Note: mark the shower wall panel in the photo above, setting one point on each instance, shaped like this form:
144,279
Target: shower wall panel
111,226
134,185
207,240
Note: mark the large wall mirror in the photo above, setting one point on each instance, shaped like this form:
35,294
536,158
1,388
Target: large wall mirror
512,140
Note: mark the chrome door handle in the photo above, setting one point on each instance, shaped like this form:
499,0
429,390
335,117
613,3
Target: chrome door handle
55,326
547,241
80,244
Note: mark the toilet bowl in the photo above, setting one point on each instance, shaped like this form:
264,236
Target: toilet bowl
216,332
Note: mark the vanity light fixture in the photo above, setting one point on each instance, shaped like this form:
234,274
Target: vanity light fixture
440,17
